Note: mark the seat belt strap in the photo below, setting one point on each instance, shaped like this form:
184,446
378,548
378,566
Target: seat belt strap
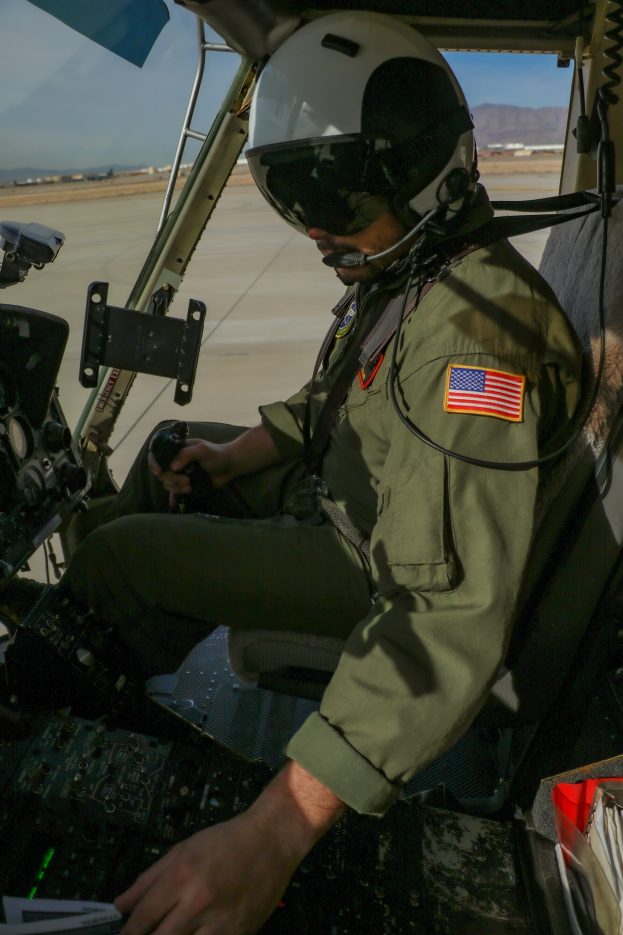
314,446
551,203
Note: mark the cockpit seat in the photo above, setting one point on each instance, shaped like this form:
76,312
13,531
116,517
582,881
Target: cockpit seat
285,661
577,547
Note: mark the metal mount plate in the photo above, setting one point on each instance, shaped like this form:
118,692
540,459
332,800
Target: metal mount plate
129,340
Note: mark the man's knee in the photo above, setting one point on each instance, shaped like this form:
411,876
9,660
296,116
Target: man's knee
96,569
115,573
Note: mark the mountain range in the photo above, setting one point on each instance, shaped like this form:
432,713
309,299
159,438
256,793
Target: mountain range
504,124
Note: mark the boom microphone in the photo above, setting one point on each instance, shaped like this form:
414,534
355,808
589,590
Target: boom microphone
345,260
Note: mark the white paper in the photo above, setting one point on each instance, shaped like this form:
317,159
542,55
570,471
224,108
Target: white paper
605,838
562,870
20,909
108,922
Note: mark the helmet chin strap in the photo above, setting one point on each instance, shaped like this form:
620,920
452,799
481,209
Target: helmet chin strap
345,260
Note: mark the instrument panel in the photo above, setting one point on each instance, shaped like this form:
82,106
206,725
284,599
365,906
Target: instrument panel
42,478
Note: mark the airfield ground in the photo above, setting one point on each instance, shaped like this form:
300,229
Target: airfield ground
267,294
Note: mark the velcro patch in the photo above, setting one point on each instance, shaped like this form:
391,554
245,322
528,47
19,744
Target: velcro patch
484,392
347,321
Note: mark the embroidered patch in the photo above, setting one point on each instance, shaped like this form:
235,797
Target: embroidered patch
484,392
367,374
347,321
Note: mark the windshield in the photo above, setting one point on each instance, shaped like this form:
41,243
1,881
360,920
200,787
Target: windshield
87,142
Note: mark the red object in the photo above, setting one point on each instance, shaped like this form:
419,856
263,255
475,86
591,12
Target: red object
574,799
364,380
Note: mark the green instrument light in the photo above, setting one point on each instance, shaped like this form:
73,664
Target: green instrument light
45,863
49,854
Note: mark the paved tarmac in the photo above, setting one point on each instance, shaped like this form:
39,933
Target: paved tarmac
267,294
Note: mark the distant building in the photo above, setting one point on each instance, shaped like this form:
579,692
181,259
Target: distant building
523,149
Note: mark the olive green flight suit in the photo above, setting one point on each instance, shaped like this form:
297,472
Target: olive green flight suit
449,540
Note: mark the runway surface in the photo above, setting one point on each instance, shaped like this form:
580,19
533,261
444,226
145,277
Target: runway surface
267,294
268,300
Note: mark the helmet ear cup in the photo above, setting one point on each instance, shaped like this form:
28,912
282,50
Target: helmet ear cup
456,185
451,190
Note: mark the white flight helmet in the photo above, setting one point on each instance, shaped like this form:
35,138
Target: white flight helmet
356,113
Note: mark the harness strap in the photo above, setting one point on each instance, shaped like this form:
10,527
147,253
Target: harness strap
554,203
314,446
338,518
363,354
337,310
504,227
380,336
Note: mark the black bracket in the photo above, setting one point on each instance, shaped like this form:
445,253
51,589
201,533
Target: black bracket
129,340
26,245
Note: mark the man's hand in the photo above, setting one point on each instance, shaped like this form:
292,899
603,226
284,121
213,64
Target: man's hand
228,879
225,880
251,451
215,460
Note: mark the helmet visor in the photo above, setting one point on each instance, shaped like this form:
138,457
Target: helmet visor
339,185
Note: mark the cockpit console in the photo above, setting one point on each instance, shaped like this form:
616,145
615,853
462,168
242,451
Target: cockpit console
42,478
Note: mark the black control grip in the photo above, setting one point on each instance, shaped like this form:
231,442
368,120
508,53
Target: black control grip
164,446
166,443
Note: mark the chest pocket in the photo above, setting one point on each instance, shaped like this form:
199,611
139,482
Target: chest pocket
412,543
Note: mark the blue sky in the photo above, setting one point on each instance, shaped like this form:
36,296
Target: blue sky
520,79
64,101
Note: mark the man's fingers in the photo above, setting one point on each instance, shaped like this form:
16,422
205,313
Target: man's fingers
193,450
126,901
149,899
214,883
170,898
158,905
154,467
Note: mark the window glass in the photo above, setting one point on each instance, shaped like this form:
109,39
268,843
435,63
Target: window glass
87,141
87,138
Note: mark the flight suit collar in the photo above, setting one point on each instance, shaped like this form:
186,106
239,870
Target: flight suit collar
446,248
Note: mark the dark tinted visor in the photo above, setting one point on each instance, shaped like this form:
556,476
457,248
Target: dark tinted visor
338,185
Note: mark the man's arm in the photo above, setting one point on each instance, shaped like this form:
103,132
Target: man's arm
448,553
228,879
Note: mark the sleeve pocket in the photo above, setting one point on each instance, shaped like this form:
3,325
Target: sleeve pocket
412,544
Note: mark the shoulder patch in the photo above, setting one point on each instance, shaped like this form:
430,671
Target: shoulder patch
347,321
484,392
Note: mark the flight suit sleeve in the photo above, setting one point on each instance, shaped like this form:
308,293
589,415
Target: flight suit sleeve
284,421
448,552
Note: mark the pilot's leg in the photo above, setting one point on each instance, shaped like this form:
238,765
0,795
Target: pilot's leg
165,581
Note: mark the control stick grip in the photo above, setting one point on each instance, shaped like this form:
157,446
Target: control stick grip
204,496
165,445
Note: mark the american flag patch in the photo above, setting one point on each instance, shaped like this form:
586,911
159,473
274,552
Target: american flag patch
484,392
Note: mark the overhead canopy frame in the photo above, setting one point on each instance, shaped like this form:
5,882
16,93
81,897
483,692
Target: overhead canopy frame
257,27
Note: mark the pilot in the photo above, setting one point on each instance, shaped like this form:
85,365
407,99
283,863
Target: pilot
383,502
